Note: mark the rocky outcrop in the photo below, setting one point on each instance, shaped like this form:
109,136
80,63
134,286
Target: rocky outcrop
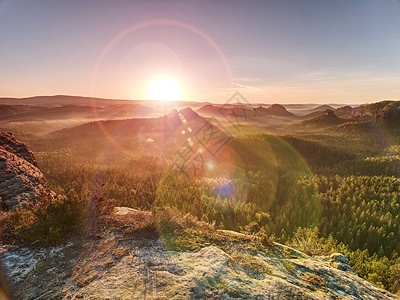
10,144
328,118
127,265
278,110
273,110
22,184
389,115
339,261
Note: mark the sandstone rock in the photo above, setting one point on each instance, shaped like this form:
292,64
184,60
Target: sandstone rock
22,184
340,262
10,144
121,266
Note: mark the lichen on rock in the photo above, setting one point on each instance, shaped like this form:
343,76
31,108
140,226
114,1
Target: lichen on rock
22,184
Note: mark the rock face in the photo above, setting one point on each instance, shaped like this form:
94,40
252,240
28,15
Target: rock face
121,265
21,182
10,144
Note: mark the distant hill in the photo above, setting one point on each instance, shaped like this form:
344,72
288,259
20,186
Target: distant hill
69,112
278,110
385,112
322,108
328,118
345,110
57,100
237,110
245,111
375,108
177,128
64,100
165,124
209,109
389,115
315,112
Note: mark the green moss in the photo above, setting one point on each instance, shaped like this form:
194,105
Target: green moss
289,267
41,266
312,278
186,233
213,281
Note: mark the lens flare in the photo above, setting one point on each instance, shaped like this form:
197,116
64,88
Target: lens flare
164,89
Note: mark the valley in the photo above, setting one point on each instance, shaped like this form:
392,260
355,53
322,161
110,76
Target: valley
322,179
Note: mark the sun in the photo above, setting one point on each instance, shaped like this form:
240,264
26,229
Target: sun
164,89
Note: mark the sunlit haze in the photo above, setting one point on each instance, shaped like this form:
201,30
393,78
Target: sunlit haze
164,89
271,51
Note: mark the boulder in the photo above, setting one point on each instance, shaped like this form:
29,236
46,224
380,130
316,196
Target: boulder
340,262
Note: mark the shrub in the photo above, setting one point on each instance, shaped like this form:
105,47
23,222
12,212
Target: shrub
47,223
307,241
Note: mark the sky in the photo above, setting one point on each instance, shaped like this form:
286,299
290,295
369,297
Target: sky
284,51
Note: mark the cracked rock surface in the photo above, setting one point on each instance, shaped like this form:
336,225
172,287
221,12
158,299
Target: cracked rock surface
120,264
22,184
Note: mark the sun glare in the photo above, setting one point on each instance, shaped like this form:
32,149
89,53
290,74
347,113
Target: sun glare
164,89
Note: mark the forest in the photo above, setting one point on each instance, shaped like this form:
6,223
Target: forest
320,190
